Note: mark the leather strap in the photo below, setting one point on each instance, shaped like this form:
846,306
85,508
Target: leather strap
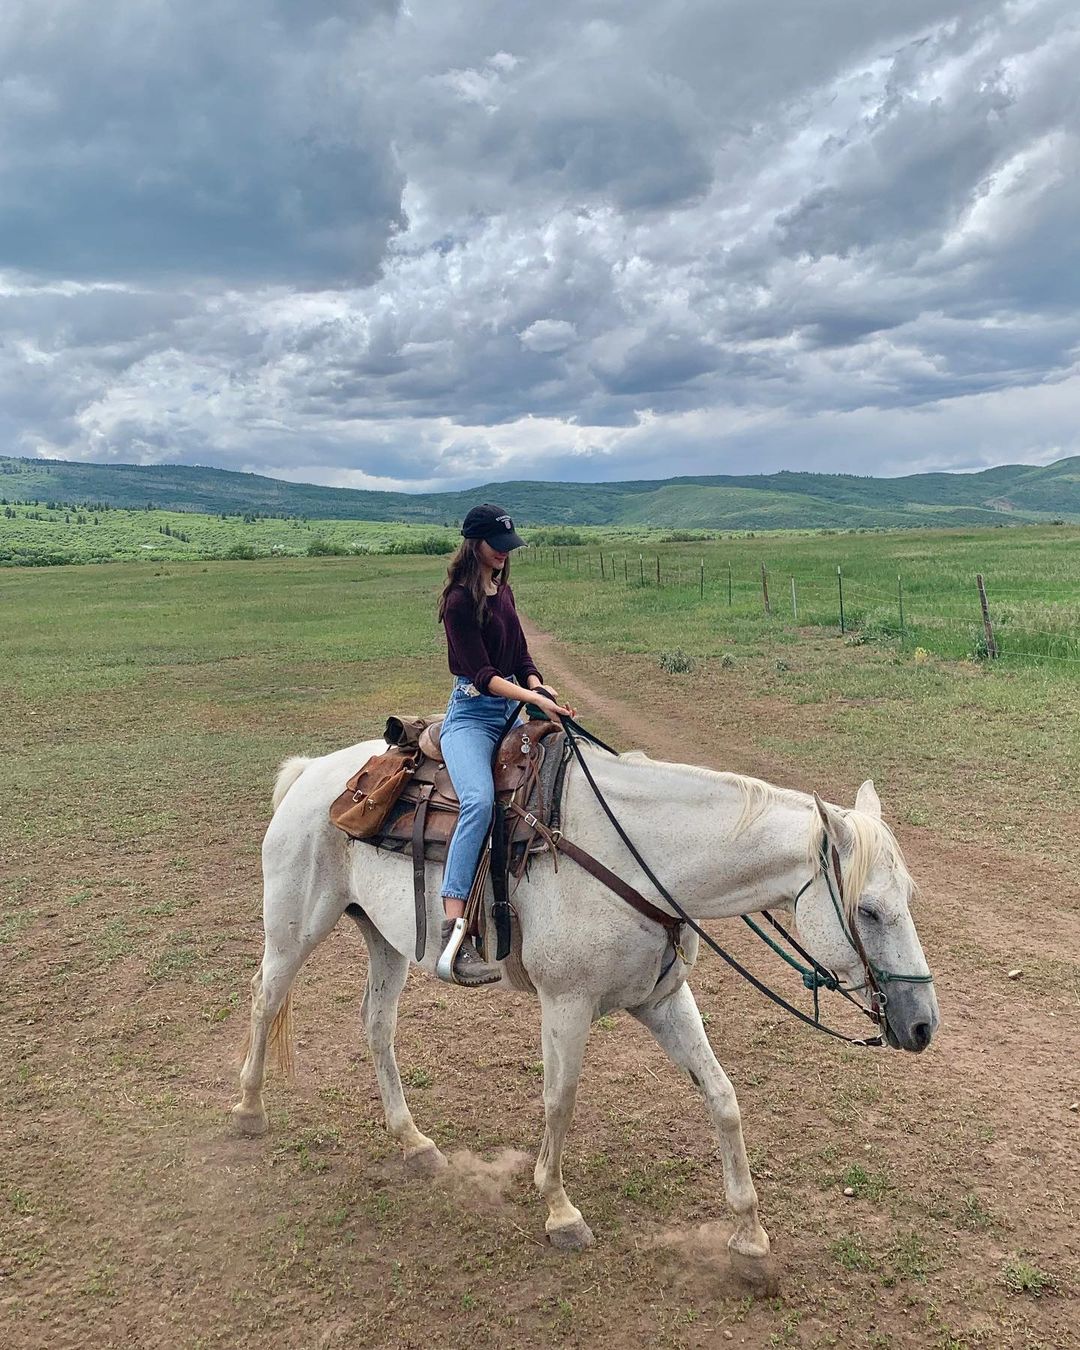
622,889
419,887
500,906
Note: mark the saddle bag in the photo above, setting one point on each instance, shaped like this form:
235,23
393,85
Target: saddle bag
370,794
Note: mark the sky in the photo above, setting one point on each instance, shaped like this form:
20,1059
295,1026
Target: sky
435,244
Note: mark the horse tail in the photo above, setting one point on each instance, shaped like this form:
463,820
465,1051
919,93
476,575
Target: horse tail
281,1037
288,772
279,1040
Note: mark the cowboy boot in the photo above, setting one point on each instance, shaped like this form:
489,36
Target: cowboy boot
465,966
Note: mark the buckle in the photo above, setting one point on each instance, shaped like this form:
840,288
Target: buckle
531,820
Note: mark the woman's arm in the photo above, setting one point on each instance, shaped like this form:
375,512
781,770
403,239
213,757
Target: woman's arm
501,688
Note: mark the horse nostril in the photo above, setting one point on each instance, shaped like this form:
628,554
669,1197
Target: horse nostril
920,1035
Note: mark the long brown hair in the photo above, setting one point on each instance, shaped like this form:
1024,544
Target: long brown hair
465,570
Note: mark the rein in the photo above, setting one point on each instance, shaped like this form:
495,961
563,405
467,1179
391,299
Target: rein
814,975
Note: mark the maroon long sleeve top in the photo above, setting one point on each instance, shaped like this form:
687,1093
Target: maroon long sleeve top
496,647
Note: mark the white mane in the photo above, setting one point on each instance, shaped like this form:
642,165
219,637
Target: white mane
757,795
874,842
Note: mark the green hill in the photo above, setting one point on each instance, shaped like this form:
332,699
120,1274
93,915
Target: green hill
785,500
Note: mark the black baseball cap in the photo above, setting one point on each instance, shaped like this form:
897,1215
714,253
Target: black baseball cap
493,524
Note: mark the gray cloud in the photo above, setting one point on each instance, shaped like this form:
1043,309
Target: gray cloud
213,139
439,244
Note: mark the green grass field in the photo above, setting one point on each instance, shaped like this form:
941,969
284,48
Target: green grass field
1032,577
1032,573
44,536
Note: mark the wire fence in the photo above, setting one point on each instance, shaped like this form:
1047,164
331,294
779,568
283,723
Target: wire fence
981,620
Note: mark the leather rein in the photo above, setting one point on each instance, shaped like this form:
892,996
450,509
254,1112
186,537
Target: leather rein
815,976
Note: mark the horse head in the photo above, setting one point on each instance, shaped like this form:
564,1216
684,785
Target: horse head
855,919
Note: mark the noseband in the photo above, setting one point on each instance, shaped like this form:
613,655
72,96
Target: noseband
875,977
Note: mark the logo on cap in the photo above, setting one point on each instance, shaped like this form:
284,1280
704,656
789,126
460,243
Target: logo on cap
505,522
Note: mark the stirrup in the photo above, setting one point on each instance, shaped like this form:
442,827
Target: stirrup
445,966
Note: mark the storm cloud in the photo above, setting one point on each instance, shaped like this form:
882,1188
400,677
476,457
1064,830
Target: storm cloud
430,245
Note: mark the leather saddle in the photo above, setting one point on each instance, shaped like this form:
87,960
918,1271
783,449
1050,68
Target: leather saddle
525,770
528,771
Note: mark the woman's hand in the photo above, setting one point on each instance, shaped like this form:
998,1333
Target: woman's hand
545,689
556,711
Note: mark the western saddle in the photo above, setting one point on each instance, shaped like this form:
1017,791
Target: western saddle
529,769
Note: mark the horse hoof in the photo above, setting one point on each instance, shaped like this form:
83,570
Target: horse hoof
758,1273
571,1237
248,1122
425,1163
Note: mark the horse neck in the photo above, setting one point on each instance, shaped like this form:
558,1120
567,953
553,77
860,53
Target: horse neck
720,847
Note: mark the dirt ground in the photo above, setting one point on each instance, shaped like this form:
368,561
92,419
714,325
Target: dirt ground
132,1216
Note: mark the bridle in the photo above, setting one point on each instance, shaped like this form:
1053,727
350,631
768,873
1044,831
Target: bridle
875,977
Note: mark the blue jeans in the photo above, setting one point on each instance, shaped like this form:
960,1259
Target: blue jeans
469,733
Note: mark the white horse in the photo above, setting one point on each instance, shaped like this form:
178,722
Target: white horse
722,844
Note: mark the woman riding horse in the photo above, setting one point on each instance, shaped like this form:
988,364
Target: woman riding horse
489,655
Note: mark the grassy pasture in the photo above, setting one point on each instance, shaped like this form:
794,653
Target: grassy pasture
1032,576
40,536
146,708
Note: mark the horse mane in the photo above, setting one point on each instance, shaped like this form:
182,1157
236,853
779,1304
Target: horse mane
874,843
757,795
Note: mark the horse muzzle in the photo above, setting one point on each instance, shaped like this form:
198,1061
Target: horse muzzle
911,1016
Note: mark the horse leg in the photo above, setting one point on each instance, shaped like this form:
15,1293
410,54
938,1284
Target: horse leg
290,940
565,1024
387,972
676,1023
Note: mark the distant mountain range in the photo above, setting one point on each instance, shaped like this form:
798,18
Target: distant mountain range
1012,493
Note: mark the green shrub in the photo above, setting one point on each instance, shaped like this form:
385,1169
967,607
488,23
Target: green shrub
556,537
432,544
676,662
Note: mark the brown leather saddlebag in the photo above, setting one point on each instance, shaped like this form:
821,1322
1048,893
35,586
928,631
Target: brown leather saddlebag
371,792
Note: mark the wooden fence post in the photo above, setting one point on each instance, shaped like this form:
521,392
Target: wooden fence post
603,574
658,569
840,584
794,601
641,566
701,585
729,584
900,597
988,628
765,589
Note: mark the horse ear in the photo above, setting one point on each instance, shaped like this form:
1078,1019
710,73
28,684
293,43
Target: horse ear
866,799
836,827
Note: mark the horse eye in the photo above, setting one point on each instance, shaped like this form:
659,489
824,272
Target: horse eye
867,913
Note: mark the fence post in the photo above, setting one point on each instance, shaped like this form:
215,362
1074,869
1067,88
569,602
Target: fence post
900,597
641,566
765,589
625,570
658,569
701,586
988,629
794,601
603,574
840,584
729,584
